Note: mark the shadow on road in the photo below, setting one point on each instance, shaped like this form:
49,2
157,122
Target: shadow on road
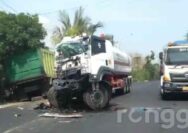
178,97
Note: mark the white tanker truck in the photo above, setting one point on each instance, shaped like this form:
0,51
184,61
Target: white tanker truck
89,69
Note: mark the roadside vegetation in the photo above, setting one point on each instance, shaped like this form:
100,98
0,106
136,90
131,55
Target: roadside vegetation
144,68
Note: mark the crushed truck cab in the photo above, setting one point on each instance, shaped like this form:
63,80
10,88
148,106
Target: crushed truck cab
89,69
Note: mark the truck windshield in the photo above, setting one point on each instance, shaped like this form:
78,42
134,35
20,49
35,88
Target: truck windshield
177,56
70,49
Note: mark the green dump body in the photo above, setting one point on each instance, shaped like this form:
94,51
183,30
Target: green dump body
30,65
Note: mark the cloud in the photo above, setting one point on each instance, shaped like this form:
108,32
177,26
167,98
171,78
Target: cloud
48,25
45,21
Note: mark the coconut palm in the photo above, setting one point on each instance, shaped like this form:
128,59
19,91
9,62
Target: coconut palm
81,24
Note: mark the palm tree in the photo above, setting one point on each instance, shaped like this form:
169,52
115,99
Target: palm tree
81,24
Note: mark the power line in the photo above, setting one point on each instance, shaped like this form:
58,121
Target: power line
8,6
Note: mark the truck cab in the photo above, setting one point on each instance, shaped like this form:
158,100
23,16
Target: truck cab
174,68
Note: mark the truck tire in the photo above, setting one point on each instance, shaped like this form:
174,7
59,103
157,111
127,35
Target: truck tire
164,96
57,98
52,97
122,91
127,88
129,85
97,99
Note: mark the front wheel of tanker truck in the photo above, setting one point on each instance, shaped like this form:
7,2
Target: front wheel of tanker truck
97,97
57,98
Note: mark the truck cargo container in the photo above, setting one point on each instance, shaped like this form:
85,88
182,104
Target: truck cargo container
29,73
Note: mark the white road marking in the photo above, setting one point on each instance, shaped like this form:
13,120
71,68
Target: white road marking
56,115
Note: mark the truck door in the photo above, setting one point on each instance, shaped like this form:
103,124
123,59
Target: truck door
97,45
98,54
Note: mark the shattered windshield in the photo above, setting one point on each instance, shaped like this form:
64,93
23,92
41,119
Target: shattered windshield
70,49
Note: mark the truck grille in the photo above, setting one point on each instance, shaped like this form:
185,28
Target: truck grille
178,77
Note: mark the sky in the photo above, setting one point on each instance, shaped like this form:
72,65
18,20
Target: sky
138,26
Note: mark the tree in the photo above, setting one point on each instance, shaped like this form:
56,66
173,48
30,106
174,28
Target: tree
151,68
81,24
19,32
147,71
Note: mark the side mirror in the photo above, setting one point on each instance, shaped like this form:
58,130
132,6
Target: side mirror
86,47
161,70
161,55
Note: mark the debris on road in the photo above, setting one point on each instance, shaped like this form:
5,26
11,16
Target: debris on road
65,121
36,98
42,106
116,108
17,115
20,108
56,115
7,105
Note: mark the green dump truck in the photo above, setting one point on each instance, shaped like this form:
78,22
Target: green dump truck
29,73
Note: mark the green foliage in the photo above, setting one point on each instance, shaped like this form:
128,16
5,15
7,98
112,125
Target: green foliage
19,32
140,75
149,71
81,24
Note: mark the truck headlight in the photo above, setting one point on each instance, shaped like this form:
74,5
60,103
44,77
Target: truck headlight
166,78
167,85
84,69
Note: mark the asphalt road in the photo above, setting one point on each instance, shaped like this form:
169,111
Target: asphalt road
144,98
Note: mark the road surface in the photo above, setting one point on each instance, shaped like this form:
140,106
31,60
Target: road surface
122,116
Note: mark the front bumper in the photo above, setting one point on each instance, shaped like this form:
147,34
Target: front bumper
175,87
74,84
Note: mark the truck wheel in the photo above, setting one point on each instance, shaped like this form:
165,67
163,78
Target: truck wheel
52,97
97,99
129,85
58,98
164,96
122,91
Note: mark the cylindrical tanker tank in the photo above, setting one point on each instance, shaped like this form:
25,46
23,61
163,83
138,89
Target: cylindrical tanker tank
121,60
